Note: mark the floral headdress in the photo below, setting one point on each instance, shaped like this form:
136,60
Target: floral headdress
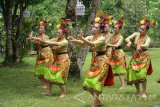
46,23
105,19
147,22
65,24
120,21
101,18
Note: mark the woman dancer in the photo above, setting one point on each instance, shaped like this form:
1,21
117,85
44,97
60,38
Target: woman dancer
45,57
140,64
96,75
117,58
58,72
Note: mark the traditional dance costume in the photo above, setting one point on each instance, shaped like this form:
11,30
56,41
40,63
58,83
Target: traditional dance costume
44,59
108,37
96,76
117,60
140,64
58,72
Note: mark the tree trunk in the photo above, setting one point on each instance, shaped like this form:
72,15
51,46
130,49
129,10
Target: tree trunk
14,44
88,30
95,6
9,52
19,44
77,53
70,13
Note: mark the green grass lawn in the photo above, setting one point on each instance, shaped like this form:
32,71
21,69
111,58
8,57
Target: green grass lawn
18,88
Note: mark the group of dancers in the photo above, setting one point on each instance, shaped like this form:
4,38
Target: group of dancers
108,57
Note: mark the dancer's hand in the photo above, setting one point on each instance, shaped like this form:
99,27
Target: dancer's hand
39,40
138,48
70,38
128,45
55,47
31,34
81,36
29,39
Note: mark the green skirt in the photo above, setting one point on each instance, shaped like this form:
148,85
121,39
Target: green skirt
139,67
44,61
118,62
58,72
96,75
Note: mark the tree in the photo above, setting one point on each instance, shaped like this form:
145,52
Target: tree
7,6
14,28
77,53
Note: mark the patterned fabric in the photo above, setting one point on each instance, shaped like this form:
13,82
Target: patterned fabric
108,37
140,64
139,67
44,61
99,43
139,61
118,62
117,58
96,76
62,46
137,40
58,72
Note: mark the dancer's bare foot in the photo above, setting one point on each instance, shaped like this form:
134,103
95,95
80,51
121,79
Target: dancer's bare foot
144,95
44,86
47,94
62,95
39,86
122,88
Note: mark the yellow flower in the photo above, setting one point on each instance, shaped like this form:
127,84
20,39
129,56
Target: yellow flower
97,19
152,21
48,20
110,22
115,22
110,17
41,23
58,26
142,22
124,24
